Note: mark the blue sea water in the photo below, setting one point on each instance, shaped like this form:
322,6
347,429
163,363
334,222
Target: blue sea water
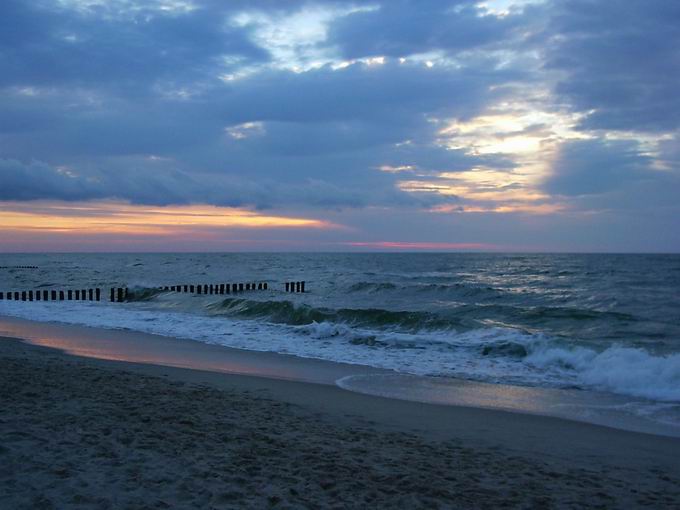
606,323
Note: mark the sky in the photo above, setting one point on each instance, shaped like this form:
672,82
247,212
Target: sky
389,125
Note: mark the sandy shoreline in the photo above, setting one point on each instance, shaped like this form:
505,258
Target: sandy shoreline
88,433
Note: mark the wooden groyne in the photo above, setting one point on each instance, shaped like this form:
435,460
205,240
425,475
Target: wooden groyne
215,288
53,295
122,294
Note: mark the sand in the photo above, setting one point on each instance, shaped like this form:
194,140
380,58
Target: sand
77,432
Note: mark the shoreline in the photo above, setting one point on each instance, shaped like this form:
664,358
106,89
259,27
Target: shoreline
114,433
580,406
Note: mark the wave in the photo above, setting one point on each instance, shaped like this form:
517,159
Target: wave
287,312
491,354
372,287
540,313
455,289
522,358
457,315
627,370
141,293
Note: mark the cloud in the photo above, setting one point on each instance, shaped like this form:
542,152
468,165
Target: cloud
320,137
589,167
269,104
38,180
402,28
45,44
618,61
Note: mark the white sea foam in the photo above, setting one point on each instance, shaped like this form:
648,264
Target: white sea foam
490,354
624,370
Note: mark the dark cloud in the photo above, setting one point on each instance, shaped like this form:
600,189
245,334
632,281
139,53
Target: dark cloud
401,28
620,59
42,44
150,182
37,180
323,129
589,167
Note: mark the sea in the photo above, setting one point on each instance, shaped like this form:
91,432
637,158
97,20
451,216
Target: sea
605,324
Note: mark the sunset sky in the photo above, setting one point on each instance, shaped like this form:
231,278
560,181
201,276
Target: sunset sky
502,125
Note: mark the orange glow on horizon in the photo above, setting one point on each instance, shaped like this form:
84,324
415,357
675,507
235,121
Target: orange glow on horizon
122,218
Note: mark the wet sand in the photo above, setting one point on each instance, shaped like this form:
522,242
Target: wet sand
92,433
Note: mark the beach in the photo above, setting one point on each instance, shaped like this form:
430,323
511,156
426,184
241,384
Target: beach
104,433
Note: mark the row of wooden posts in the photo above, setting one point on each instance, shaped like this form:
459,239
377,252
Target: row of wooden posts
18,267
295,286
225,288
120,294
57,295
219,288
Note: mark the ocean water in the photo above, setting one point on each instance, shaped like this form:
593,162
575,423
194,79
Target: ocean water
599,323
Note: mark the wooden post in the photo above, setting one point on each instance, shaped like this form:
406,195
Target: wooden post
191,289
83,295
16,296
61,295
186,288
69,293
287,287
120,295
221,288
264,285
302,286
98,294
77,295
113,293
240,287
2,295
23,295
199,288
45,295
37,295
90,294
227,288
9,296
